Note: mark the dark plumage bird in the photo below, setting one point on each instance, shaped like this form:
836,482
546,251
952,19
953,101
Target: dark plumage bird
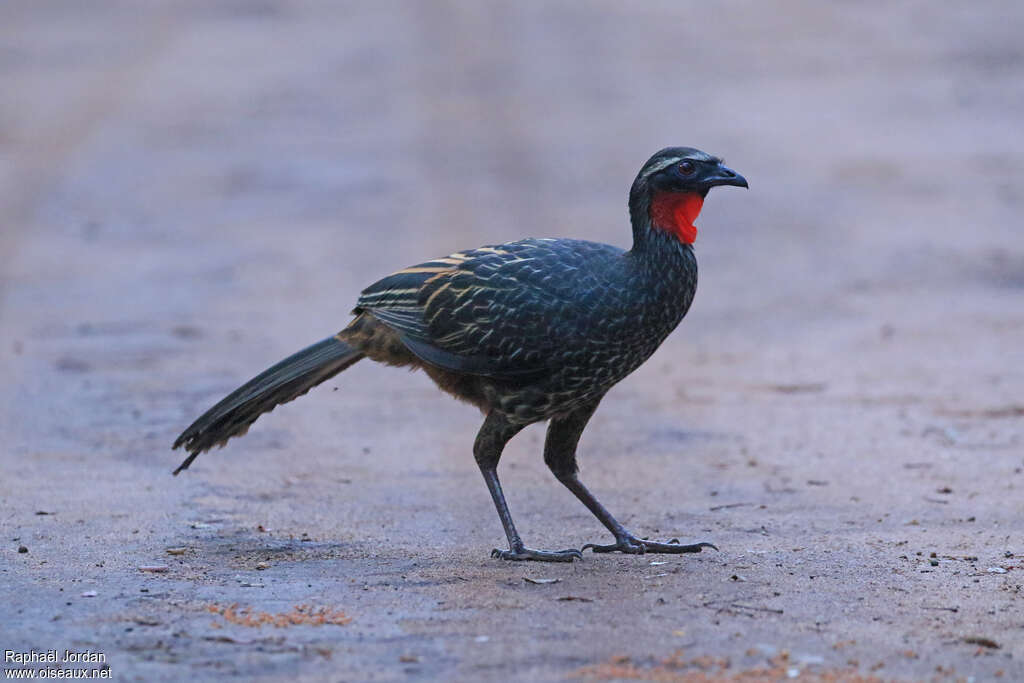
533,330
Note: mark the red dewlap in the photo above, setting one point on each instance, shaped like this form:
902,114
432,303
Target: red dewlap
675,212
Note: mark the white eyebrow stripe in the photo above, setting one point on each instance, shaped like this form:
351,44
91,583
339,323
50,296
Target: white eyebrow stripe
696,155
663,164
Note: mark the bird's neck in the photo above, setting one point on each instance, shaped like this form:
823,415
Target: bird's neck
661,271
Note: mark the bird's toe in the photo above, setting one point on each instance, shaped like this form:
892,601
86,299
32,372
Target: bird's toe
636,546
524,554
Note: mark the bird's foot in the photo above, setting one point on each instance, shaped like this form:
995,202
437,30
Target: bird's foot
524,553
635,546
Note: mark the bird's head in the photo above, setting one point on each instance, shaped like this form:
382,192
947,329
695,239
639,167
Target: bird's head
669,191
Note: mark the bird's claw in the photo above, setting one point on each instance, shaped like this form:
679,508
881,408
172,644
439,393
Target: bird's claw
635,546
521,554
624,546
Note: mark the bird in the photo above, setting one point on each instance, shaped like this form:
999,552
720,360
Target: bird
529,331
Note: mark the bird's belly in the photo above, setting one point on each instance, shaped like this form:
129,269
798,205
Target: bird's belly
583,376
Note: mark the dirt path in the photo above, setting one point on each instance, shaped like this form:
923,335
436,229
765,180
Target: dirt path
191,192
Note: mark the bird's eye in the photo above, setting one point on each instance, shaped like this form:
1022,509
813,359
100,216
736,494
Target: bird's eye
687,167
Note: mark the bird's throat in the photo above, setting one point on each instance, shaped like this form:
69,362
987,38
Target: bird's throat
675,212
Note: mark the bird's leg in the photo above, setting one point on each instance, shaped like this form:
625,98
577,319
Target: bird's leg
624,541
560,456
490,442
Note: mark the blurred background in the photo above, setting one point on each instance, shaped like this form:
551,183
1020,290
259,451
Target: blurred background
190,191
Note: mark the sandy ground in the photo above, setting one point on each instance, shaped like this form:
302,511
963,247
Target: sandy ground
189,192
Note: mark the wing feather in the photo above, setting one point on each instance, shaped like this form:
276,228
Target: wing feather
499,311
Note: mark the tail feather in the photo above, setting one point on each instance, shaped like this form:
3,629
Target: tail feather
287,380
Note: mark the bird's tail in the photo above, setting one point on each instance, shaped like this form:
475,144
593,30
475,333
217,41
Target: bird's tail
287,380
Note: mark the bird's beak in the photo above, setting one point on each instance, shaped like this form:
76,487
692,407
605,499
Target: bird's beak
723,175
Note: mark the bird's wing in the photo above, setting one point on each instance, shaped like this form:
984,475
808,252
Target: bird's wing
501,311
